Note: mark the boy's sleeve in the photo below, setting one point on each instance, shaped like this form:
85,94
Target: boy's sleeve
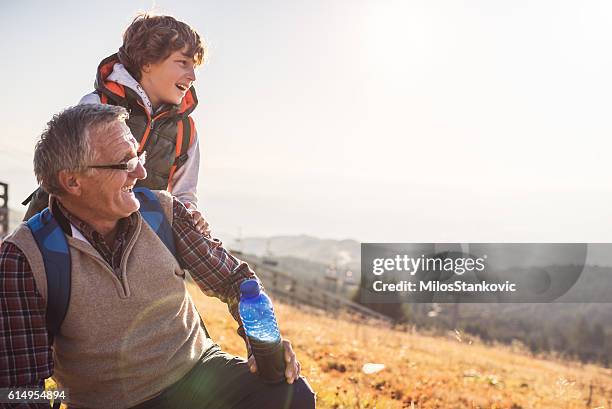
185,179
92,98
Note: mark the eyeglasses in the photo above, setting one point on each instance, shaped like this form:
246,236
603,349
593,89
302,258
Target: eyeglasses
130,165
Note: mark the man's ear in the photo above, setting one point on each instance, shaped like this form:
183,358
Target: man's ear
70,182
146,68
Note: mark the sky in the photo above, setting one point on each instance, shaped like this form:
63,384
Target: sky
376,120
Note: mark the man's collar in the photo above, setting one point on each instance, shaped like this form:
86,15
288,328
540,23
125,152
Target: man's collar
69,222
58,211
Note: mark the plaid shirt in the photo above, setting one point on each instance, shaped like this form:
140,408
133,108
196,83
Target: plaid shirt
111,255
26,359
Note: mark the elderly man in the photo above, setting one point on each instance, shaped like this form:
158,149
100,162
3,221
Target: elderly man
131,336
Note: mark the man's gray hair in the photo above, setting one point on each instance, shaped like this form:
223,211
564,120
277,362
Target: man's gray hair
66,142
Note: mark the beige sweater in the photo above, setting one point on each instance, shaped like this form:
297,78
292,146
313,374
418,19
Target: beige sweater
122,341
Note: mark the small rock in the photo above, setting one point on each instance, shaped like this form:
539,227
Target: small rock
371,368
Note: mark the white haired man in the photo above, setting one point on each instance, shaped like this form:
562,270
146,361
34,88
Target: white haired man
131,336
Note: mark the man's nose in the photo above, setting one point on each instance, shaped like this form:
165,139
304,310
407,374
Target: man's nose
140,172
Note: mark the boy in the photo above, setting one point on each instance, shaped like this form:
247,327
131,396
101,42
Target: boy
152,77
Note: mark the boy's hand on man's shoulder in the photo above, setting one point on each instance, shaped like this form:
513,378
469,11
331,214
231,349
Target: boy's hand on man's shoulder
198,220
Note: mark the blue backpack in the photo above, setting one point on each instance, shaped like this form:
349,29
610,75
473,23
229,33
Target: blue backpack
56,255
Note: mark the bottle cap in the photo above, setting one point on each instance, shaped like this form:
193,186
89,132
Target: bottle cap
249,288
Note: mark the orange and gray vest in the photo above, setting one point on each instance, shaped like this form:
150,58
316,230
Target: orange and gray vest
166,135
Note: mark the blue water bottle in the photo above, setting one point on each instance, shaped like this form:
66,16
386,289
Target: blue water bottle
260,325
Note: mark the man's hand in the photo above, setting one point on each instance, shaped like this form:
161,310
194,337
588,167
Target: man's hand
293,368
199,221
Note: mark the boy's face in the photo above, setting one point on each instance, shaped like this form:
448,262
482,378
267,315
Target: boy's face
167,82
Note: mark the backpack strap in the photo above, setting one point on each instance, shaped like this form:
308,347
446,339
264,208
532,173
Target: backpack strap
53,246
152,212
52,243
185,134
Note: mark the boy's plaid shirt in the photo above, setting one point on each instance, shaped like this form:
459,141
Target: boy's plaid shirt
25,354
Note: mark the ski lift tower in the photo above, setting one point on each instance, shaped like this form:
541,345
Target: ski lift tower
331,278
4,216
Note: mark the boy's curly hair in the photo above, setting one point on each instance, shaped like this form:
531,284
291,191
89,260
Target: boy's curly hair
150,39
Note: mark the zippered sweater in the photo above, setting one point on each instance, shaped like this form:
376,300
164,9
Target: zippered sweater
124,340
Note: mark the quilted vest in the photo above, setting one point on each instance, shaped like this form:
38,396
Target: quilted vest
166,136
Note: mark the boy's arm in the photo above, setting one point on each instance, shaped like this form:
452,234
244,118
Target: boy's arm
25,354
184,186
92,98
185,180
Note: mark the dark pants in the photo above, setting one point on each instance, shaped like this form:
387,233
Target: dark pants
223,381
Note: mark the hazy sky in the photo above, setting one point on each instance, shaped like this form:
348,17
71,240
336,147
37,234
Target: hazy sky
376,120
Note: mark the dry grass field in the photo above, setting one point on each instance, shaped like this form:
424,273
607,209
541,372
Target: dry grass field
419,371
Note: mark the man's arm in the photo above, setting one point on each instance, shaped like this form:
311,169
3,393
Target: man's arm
213,268
25,354
219,274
